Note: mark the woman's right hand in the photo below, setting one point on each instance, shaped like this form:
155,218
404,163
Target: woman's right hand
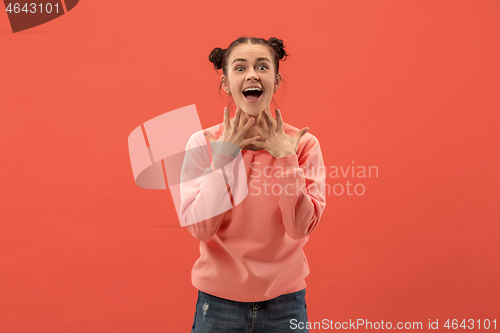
231,134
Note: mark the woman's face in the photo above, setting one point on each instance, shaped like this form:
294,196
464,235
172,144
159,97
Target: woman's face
251,65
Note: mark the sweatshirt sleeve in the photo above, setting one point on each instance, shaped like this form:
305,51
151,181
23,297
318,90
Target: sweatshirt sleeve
302,199
204,188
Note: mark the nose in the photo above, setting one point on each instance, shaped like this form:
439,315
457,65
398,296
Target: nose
252,75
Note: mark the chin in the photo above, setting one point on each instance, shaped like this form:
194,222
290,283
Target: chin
253,109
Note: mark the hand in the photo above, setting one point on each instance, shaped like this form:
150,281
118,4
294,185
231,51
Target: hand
278,143
231,134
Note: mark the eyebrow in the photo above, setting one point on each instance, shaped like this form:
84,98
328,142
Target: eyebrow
258,59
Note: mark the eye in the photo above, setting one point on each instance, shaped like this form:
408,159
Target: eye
260,66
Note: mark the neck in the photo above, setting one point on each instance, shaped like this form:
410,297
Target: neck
260,120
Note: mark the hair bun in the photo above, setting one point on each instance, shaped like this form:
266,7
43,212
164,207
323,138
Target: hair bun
278,46
215,57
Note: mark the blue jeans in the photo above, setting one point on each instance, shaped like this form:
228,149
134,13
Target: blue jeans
278,315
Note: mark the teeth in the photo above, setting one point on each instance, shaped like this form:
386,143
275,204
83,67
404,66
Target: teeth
255,88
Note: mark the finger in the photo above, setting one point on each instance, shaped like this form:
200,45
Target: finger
270,125
209,136
261,131
260,144
248,124
250,140
241,120
302,132
227,123
280,121
236,123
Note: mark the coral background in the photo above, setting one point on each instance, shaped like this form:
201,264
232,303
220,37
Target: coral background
411,87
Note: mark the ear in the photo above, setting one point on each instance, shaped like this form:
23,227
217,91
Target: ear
277,81
224,83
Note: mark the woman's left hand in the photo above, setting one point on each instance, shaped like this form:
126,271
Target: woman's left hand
278,143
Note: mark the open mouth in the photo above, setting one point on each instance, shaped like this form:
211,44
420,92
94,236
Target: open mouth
252,94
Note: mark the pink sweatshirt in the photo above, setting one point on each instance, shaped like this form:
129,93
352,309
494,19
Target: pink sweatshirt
252,251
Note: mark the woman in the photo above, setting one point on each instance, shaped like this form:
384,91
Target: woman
251,272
